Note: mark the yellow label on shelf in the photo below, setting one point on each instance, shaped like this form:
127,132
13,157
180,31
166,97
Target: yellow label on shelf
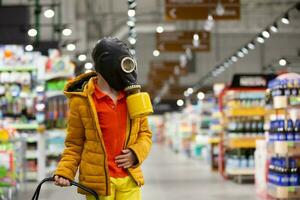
292,189
4,135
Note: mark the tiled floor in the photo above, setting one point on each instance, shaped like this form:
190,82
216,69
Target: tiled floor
168,177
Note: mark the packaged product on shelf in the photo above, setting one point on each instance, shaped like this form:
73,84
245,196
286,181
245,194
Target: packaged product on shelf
284,172
284,130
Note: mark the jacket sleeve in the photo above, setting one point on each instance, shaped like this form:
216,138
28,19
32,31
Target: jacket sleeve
67,167
142,146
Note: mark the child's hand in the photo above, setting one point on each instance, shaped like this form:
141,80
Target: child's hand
127,159
61,181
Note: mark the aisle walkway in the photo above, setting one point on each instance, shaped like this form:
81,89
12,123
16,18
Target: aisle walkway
168,177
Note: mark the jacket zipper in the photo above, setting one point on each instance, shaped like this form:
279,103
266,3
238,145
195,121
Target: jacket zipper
104,150
129,133
130,128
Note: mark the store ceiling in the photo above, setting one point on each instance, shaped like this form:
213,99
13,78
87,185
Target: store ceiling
93,19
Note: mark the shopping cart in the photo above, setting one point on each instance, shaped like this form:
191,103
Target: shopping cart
51,179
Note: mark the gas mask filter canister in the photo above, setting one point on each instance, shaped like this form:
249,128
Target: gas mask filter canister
138,103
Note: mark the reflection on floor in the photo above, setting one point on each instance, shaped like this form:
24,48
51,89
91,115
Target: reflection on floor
168,177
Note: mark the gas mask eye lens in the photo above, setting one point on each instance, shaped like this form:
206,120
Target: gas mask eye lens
128,64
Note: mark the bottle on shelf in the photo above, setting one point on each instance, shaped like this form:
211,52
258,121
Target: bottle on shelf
297,130
290,134
280,130
284,181
295,87
294,177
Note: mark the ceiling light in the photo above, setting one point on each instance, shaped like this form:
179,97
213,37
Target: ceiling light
240,54
67,32
132,5
190,90
159,29
132,51
196,36
131,13
130,23
251,45
32,32
29,47
82,57
220,10
274,28
49,13
260,39
234,58
285,19
215,73
186,94
132,40
245,50
88,65
209,23
156,53
265,34
180,102
200,95
221,68
71,47
226,64
196,41
282,62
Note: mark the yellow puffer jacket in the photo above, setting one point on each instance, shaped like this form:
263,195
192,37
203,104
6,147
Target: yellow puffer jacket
84,142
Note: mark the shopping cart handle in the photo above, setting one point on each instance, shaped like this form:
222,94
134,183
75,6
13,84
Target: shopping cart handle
38,189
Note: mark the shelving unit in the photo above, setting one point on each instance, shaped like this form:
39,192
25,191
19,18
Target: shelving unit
58,71
243,111
280,192
283,147
20,116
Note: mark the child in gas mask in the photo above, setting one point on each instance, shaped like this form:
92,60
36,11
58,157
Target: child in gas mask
103,139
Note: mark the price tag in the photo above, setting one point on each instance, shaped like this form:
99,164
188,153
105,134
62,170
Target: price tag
292,189
291,144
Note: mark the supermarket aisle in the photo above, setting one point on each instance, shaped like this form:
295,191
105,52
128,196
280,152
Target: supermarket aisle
169,177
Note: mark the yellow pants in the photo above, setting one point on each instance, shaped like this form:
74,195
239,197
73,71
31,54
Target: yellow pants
122,189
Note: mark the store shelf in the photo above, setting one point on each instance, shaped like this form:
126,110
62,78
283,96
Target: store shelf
51,76
50,94
284,148
240,171
245,112
17,68
31,154
54,153
243,142
32,139
31,176
214,140
281,192
29,126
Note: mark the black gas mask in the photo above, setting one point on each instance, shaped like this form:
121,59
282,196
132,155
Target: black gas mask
117,66
115,63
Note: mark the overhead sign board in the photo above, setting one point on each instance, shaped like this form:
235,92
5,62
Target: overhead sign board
251,80
181,40
172,67
199,9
